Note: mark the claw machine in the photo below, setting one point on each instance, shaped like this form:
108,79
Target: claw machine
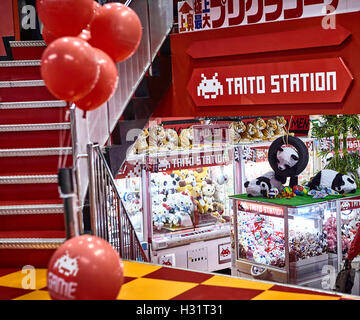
187,209
289,240
187,213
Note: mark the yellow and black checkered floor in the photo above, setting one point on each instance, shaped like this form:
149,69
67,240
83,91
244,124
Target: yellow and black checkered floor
144,281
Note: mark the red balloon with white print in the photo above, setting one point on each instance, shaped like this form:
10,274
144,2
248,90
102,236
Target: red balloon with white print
85,268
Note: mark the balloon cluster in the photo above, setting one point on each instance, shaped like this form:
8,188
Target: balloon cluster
85,40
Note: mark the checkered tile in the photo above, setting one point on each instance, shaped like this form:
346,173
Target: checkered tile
144,281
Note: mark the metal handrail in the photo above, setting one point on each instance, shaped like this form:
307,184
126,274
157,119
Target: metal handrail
109,218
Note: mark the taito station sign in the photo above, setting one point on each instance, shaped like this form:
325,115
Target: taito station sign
292,82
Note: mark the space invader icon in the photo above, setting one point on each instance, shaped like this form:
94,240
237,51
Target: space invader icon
210,88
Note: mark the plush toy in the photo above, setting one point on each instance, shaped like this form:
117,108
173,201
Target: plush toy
272,193
219,194
160,216
260,125
208,189
236,128
201,174
333,180
157,138
249,133
158,199
141,144
287,192
300,190
287,157
280,126
269,131
172,139
180,202
186,138
222,179
261,185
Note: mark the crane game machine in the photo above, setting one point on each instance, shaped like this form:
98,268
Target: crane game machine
188,214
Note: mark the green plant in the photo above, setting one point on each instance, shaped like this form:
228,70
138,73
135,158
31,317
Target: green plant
339,128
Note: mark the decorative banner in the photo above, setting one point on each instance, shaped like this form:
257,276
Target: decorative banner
295,82
198,15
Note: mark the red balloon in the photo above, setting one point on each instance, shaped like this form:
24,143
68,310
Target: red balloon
105,86
85,268
69,68
48,36
116,29
65,17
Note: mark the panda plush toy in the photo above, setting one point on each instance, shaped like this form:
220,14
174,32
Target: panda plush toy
333,180
261,185
287,158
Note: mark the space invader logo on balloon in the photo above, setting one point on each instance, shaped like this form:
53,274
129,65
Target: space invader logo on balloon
61,284
85,267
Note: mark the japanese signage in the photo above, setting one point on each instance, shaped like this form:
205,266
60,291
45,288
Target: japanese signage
197,15
302,81
261,208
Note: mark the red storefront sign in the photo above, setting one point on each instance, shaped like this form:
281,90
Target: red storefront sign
295,82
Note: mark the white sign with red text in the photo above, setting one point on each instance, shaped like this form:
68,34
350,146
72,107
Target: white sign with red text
198,15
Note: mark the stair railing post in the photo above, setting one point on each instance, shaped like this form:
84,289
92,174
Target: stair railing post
92,193
66,190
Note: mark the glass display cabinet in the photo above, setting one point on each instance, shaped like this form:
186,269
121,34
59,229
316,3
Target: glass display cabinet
288,243
188,213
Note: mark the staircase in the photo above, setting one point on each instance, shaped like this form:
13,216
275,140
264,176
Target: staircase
35,141
138,112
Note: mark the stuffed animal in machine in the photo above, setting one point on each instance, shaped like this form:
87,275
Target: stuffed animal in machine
172,139
260,186
141,144
157,138
280,126
186,138
201,174
260,125
160,216
236,128
249,133
269,131
208,190
334,180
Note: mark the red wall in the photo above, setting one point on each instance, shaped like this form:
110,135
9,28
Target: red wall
6,22
181,103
